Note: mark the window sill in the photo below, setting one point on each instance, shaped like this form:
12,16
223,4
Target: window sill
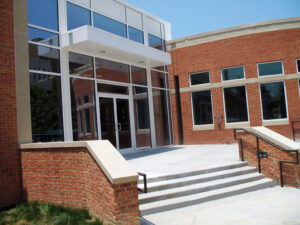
237,125
203,127
275,122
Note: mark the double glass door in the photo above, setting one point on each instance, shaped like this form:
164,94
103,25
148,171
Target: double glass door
115,120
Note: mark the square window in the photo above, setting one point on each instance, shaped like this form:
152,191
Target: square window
270,68
81,65
202,107
199,78
233,73
77,16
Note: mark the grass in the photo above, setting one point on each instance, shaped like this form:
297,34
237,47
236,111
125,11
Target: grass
35,213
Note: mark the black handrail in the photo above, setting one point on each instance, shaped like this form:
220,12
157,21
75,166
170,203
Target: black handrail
293,127
145,182
260,154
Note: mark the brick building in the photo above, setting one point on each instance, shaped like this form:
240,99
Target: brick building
236,77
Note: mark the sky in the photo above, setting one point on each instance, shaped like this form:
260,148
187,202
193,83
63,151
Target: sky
190,17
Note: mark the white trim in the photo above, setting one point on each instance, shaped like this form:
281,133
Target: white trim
44,72
269,63
244,78
44,29
190,74
44,45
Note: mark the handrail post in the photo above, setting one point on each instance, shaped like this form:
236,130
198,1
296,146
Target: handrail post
145,182
258,155
241,144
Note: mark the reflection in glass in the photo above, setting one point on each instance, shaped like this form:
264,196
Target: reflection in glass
43,13
83,109
43,37
109,25
236,104
114,89
138,75
202,107
136,35
233,73
80,65
273,100
109,70
199,78
160,107
46,108
44,59
158,79
272,68
77,16
155,42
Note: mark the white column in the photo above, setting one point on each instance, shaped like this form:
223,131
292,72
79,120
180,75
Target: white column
151,110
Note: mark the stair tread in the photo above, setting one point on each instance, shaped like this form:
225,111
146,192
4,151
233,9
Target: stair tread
198,185
203,195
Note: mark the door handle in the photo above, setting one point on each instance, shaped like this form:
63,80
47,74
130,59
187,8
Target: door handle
119,126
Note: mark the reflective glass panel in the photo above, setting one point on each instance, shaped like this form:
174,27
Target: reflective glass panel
158,79
107,116
155,42
235,104
114,89
109,70
77,16
44,59
110,25
123,124
81,65
138,75
273,101
272,68
233,73
202,107
84,116
46,108
199,78
43,13
43,37
136,35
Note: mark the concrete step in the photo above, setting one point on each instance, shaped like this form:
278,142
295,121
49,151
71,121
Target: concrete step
210,195
189,180
198,187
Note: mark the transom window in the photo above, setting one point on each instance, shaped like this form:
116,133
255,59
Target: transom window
233,73
270,68
199,78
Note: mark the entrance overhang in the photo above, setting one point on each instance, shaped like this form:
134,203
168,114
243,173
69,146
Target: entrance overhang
90,40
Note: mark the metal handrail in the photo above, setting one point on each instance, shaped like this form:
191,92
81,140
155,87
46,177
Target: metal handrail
261,154
293,127
145,182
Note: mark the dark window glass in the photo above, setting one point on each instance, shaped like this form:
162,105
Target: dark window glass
46,108
41,36
115,89
110,25
158,79
160,107
202,107
44,59
43,13
235,104
139,90
233,73
155,42
273,101
77,16
273,68
161,68
142,108
136,35
109,70
138,75
199,78
298,65
80,65
83,115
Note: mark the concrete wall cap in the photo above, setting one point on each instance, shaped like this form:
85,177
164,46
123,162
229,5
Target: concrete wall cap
113,164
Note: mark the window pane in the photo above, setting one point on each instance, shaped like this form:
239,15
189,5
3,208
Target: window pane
202,107
109,70
84,121
138,75
273,101
77,16
43,37
160,107
272,68
44,59
46,108
80,65
110,25
298,65
199,78
158,79
233,73
43,13
115,89
136,35
155,42
235,104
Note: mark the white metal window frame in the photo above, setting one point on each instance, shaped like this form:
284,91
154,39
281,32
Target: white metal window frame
280,74
244,72
192,74
224,104
286,102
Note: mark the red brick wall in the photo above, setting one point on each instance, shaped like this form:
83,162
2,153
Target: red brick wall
71,177
247,50
270,165
10,183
